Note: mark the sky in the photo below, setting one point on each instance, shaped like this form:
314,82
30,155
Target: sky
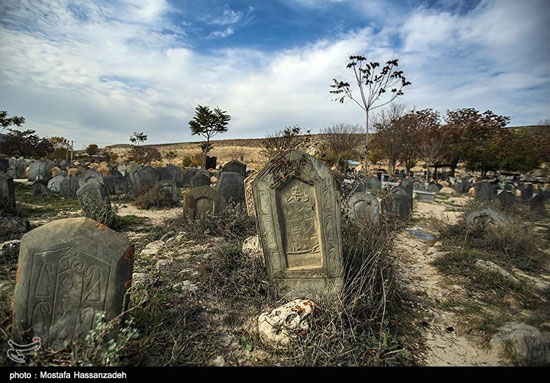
98,71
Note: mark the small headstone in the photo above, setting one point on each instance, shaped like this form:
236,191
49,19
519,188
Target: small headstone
95,203
200,179
537,204
299,224
231,187
187,175
527,192
116,183
170,189
38,189
7,194
398,204
68,187
70,271
484,216
373,183
418,185
506,199
55,183
434,187
90,175
364,207
202,200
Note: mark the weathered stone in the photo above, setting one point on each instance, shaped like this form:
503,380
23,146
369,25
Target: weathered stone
421,234
172,173
484,191
7,194
463,186
4,164
9,249
152,248
38,189
200,179
425,196
234,166
95,203
69,271
40,171
299,222
202,200
364,207
248,195
169,188
116,183
506,199
89,175
286,323
17,168
398,204
68,187
143,179
537,204
231,187
434,187
494,268
526,192
446,190
484,216
524,343
55,183
210,162
253,248
187,175
373,183
418,185
14,225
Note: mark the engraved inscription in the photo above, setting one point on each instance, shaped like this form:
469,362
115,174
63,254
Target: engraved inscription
69,287
299,222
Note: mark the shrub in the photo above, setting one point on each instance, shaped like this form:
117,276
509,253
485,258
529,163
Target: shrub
155,197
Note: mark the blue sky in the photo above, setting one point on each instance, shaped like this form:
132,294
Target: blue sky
97,71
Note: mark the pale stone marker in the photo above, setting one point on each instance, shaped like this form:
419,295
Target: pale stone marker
201,200
69,271
364,206
299,224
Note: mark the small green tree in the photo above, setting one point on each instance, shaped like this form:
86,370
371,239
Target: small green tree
208,123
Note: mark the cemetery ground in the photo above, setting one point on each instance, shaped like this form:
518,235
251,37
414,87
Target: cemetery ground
415,291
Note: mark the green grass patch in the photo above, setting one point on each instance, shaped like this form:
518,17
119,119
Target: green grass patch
50,204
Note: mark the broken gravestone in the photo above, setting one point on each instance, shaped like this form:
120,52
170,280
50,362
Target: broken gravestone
70,271
483,216
202,200
298,220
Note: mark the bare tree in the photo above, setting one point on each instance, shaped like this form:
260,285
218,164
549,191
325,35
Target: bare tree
387,139
376,88
339,143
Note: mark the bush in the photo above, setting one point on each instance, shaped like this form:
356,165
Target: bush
155,197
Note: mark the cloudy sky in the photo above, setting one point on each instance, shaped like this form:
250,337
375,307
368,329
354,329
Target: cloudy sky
97,71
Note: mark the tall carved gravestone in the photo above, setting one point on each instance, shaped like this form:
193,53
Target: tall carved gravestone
299,225
70,271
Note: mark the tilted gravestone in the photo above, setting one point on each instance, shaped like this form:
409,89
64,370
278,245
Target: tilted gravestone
248,195
202,200
463,185
95,203
7,194
235,166
364,207
211,162
70,270
231,187
200,179
484,191
299,224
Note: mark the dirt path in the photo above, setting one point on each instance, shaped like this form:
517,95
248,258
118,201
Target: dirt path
156,217
445,344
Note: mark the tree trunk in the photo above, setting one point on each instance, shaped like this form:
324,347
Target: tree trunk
367,144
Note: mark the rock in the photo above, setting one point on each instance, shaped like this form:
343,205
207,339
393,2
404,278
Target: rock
14,225
9,249
285,323
446,190
253,248
165,265
95,202
525,343
490,266
152,248
422,234
141,279
219,361
39,189
186,287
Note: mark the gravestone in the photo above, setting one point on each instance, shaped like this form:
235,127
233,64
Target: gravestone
116,183
70,270
4,165
537,204
408,187
484,216
248,195
527,192
7,194
40,171
202,200
299,224
89,175
434,187
172,173
210,162
200,179
373,183
143,178
484,191
95,203
231,187
170,189
55,183
234,166
463,185
68,187
364,207
38,189
187,175
418,185
506,199
424,196
398,204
